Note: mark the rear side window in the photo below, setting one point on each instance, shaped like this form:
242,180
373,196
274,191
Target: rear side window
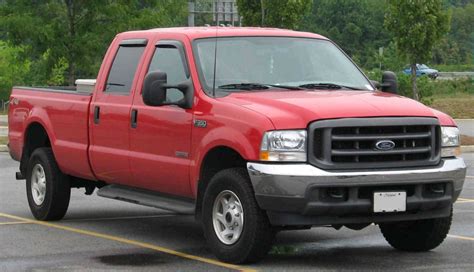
123,69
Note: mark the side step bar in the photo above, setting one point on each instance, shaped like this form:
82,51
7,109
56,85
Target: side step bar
148,198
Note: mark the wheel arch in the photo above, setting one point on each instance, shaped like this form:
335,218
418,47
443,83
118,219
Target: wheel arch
35,136
216,159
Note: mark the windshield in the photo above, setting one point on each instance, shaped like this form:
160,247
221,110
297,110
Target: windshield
275,61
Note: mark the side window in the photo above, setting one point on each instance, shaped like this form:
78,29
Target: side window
123,69
169,59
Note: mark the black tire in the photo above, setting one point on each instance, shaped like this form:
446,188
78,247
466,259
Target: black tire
58,192
257,235
416,236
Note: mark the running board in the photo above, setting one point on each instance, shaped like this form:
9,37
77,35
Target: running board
148,198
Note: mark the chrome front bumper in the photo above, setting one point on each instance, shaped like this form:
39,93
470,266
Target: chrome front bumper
296,189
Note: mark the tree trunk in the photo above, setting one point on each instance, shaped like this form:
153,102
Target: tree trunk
416,96
71,14
263,12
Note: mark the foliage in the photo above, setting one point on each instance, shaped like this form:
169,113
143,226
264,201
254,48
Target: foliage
417,25
356,25
458,46
58,72
429,88
274,13
77,32
55,41
12,69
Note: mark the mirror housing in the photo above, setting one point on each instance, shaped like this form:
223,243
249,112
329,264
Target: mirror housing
155,88
389,82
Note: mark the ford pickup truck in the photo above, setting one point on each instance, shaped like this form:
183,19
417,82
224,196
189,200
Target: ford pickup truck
252,130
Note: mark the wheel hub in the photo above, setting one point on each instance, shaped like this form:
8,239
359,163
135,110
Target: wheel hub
228,217
38,184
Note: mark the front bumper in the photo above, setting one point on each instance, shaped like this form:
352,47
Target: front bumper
301,194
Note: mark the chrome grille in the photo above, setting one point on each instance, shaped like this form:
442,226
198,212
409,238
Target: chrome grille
354,143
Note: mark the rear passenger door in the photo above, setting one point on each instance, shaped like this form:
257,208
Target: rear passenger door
109,142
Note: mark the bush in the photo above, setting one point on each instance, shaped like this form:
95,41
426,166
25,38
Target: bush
427,87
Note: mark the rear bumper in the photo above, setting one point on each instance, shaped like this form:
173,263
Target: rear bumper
301,194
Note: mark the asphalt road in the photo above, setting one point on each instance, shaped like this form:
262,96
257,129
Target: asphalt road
100,234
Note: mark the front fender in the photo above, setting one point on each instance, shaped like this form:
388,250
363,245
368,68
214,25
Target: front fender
223,137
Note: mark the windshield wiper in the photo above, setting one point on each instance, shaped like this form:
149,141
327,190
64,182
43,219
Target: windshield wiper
256,86
327,86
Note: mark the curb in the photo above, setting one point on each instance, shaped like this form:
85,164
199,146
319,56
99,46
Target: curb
467,148
3,148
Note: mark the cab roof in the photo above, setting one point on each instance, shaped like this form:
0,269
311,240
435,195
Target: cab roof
211,31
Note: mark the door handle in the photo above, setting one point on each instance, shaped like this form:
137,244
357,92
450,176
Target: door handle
96,115
134,118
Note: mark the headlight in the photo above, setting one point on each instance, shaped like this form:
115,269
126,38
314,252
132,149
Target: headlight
284,145
450,142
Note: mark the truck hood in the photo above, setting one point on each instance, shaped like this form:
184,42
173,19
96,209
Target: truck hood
295,109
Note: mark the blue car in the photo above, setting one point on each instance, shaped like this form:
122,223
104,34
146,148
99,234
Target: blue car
421,70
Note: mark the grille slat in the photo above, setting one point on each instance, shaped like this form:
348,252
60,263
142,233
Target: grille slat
366,152
351,143
382,136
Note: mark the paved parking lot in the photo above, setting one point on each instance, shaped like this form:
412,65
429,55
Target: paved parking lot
100,234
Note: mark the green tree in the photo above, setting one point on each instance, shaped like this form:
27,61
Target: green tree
355,25
77,32
274,13
462,32
12,69
417,25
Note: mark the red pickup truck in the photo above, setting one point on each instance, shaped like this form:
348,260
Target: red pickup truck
252,130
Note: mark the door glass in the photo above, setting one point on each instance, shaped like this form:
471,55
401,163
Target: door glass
123,69
170,61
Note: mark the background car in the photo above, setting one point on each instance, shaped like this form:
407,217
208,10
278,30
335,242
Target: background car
422,69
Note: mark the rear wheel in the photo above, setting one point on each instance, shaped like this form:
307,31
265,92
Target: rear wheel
419,235
47,188
236,229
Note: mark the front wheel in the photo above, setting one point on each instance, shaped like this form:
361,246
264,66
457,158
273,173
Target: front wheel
47,188
419,235
236,229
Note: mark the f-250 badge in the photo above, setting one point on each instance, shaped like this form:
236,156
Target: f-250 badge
200,123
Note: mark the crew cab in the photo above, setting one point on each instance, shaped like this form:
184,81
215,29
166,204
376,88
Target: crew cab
252,130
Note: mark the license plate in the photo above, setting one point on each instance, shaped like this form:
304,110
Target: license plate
386,202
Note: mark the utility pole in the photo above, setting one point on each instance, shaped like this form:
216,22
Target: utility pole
222,11
191,12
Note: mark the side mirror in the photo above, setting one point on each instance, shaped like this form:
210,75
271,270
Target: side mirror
155,88
389,82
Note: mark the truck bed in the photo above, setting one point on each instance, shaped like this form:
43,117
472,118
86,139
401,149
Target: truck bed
63,113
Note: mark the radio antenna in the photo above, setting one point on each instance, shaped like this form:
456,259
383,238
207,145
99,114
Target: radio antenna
215,64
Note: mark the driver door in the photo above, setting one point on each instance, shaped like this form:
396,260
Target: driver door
160,142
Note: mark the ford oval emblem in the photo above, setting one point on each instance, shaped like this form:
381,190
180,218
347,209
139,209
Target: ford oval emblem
385,145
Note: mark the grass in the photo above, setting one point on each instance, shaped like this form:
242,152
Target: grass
458,106
455,67
3,140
